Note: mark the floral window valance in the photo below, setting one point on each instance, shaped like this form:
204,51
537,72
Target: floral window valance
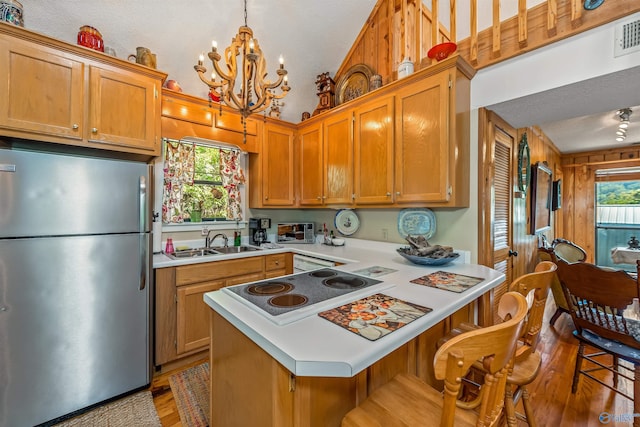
179,167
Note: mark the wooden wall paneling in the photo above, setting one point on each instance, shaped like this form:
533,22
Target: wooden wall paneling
370,51
402,18
583,220
382,45
568,206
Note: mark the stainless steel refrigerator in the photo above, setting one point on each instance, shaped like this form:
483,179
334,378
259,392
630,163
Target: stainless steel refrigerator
74,283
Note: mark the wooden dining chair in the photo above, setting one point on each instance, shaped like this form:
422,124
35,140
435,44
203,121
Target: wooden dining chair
408,401
598,298
535,288
570,252
528,361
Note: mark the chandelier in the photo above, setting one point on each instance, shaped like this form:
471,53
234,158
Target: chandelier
254,92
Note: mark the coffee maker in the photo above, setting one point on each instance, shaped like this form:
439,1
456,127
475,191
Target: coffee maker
258,230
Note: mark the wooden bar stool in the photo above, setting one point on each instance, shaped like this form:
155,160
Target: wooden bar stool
535,287
407,401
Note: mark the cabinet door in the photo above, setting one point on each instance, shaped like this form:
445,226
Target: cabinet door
338,158
310,161
123,110
41,90
422,141
193,315
277,167
373,146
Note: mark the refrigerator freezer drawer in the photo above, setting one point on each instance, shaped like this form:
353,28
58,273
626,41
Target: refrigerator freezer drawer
74,324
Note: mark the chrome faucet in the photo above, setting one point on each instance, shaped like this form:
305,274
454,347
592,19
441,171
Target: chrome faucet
208,242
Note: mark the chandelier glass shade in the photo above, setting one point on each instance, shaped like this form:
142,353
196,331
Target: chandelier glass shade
241,80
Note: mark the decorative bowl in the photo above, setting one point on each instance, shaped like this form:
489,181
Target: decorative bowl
442,51
423,260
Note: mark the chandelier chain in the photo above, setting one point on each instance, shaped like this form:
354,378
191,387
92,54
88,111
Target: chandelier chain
245,13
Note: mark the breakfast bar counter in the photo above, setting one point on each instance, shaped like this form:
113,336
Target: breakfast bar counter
311,371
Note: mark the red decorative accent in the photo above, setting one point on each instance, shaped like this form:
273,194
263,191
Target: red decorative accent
442,50
214,96
91,38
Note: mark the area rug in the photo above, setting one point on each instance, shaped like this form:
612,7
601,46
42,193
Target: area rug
135,410
191,393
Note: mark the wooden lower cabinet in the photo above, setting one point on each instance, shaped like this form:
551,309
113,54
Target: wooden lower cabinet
182,316
192,332
242,372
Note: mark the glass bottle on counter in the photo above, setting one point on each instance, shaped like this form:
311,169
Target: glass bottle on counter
169,247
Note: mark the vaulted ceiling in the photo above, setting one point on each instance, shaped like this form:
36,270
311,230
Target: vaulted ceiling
314,37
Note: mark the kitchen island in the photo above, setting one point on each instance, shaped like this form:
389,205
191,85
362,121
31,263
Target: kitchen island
310,372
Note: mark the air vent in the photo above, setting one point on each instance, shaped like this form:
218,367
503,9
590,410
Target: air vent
627,37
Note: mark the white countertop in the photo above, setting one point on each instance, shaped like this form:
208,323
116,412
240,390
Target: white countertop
314,346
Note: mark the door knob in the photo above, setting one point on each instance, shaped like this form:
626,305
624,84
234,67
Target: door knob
513,253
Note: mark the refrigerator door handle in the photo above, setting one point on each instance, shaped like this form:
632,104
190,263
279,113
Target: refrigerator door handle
142,234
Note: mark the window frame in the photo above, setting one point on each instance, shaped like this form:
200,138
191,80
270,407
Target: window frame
199,226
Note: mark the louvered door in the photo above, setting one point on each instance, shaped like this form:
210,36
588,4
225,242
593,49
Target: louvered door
501,213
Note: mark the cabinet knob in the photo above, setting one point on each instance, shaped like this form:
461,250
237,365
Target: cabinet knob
319,198
266,197
277,262
397,193
388,194
75,126
94,130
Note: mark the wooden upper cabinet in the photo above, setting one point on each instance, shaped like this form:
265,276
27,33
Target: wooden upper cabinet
422,143
124,110
44,95
373,152
187,115
338,158
277,171
42,90
310,161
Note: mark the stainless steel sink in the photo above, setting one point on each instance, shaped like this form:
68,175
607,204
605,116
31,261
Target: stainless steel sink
213,251
234,249
191,253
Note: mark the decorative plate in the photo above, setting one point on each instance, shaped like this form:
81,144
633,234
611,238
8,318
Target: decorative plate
417,222
442,50
347,222
354,83
592,4
423,260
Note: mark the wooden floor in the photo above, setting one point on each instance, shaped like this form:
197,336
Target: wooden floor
163,398
554,404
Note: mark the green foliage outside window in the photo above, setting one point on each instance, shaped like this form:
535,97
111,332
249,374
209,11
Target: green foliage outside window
618,193
206,199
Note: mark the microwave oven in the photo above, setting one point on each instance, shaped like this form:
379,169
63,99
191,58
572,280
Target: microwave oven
296,232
